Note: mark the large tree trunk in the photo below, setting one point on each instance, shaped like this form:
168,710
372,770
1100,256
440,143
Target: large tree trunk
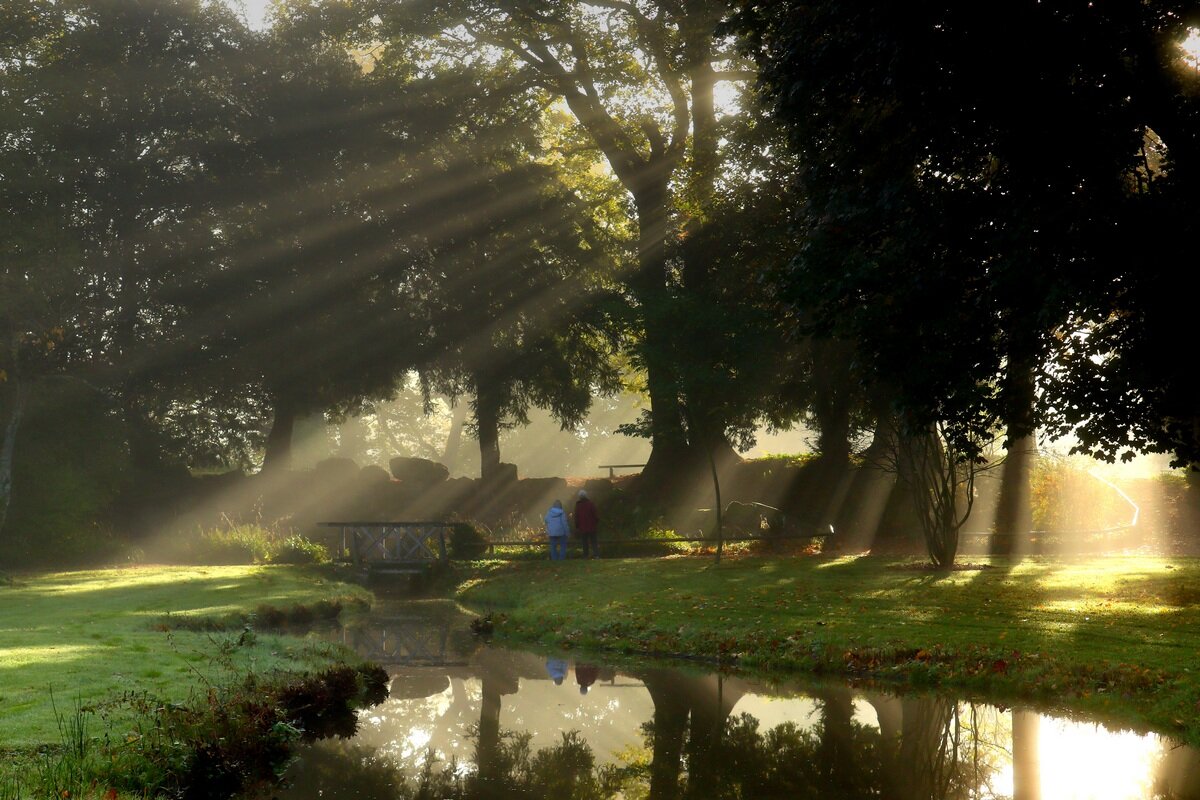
837,755
488,743
277,455
669,447
8,449
833,404
129,359
871,487
927,751
932,470
454,438
832,408
712,700
1014,515
705,164
487,422
1027,780
668,730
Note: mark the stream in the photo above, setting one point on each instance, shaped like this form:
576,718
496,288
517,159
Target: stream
466,719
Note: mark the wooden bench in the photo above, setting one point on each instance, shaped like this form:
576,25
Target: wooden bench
395,547
611,467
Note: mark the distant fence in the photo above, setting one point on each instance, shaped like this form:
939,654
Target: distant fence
620,544
611,467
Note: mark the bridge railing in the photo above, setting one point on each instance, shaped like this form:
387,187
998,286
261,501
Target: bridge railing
393,546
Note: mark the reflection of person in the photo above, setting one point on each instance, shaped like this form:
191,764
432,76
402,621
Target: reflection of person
585,676
557,529
586,523
557,668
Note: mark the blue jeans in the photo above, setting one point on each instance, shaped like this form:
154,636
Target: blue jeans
558,548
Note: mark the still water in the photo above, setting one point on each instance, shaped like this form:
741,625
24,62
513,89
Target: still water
469,720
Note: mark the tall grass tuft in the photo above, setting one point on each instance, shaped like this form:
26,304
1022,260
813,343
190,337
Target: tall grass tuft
65,771
245,543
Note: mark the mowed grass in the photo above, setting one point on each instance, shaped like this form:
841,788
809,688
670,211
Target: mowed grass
94,636
1118,637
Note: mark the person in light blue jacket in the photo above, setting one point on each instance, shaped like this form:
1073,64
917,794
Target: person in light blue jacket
557,528
557,667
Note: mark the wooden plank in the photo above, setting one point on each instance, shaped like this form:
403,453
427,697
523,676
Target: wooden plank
396,569
611,467
683,539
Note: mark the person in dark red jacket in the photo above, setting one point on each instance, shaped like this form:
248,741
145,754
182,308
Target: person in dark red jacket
586,523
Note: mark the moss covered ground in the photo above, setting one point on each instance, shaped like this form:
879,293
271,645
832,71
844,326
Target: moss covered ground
1117,637
90,637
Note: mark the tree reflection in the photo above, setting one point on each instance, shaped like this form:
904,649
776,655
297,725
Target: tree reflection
935,752
923,749
337,766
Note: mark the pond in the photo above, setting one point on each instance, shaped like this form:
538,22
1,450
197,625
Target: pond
470,720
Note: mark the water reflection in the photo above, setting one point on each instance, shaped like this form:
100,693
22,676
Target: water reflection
470,721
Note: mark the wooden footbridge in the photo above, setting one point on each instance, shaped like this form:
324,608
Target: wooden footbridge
393,547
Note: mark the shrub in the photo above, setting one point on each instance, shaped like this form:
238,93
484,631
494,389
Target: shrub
1066,496
90,544
238,544
467,542
232,737
298,549
69,464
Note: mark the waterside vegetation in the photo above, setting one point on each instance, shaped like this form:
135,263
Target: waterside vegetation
133,677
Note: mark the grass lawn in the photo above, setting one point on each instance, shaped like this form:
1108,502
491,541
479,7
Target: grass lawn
1118,637
93,636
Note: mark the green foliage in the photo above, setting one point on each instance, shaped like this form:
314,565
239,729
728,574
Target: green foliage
785,461
248,543
69,466
467,542
627,516
1065,496
1169,506
916,150
298,549
236,544
535,338
234,734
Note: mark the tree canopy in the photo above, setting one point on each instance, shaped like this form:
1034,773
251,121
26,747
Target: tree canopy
944,225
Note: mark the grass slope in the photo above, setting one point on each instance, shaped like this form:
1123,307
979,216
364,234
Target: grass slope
92,636
1117,636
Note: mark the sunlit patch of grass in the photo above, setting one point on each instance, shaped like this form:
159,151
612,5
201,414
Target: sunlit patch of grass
1129,608
97,633
37,656
839,561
